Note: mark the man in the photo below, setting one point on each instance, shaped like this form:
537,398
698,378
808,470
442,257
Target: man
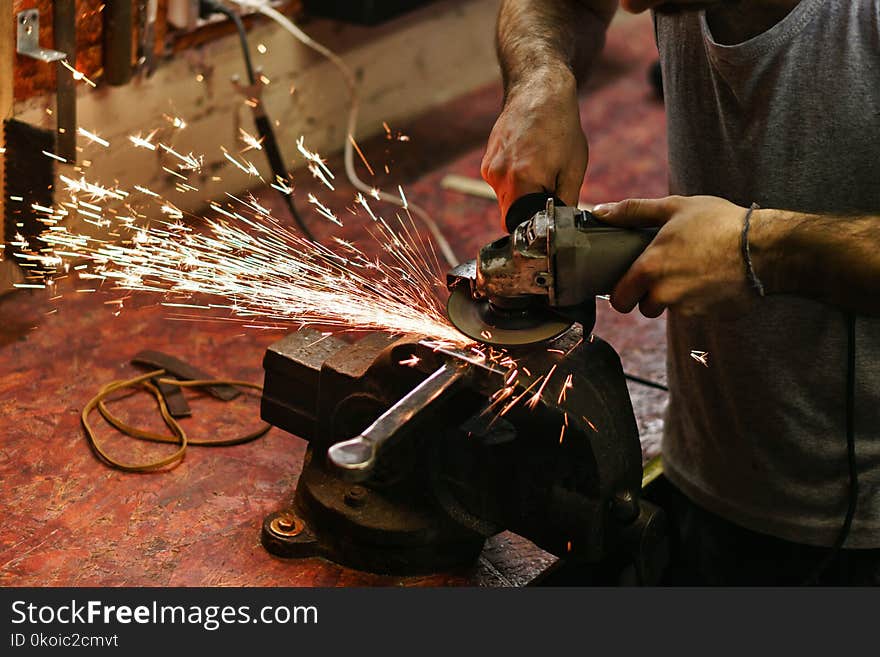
776,445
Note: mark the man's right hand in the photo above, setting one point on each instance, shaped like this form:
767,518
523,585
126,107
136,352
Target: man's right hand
537,143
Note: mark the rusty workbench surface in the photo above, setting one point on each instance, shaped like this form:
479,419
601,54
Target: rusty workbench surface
68,520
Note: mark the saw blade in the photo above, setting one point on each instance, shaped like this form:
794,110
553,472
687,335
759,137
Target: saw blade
478,320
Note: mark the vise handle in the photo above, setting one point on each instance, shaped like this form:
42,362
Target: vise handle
356,457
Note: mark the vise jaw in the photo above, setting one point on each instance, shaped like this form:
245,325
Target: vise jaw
410,465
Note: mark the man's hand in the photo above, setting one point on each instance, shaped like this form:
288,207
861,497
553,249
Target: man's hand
537,143
544,48
694,264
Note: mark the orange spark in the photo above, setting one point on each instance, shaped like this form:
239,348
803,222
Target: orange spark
359,152
592,426
565,388
77,75
533,402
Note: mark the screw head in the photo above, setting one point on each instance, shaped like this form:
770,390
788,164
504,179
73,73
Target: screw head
356,496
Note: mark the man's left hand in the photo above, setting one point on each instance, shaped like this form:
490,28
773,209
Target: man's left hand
694,264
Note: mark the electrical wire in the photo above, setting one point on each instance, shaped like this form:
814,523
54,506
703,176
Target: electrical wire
213,6
645,382
442,243
261,119
179,436
853,494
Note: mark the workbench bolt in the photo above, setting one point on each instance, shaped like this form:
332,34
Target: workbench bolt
286,525
356,496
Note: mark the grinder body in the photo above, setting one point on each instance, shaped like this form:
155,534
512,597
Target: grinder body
530,285
562,255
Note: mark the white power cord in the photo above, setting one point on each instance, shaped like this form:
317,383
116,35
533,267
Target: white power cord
263,7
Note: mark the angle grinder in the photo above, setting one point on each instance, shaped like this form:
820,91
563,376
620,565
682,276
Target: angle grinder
533,284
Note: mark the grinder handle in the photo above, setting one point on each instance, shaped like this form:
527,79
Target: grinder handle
597,269
526,207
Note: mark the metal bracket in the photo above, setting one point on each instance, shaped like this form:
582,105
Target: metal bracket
28,40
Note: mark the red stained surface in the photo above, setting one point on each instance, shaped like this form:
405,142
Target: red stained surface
69,520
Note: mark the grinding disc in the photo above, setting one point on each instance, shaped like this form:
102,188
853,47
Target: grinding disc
478,320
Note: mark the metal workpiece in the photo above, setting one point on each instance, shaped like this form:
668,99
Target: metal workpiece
409,469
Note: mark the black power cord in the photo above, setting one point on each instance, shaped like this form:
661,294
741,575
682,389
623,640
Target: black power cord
261,119
853,495
645,382
209,7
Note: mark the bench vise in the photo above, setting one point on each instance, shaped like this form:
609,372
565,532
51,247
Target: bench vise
413,462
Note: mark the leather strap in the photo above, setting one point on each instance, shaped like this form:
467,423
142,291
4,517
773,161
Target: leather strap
156,360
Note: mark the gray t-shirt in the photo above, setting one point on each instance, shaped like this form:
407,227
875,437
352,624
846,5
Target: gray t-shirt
788,119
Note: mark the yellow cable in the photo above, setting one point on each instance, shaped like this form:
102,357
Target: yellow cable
179,436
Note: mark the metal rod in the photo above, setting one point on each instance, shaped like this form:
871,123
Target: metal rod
118,28
147,46
64,25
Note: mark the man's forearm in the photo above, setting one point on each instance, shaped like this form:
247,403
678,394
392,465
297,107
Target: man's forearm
555,35
835,259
